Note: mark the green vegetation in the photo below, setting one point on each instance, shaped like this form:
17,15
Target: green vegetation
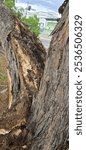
10,3
32,22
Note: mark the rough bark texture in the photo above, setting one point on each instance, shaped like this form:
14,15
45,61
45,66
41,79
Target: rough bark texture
50,117
38,114
25,56
25,64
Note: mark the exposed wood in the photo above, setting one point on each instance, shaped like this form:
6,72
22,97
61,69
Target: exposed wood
25,64
25,56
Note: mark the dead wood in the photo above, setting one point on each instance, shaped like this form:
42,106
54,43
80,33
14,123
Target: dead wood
38,90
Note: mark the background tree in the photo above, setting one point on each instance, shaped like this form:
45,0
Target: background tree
32,22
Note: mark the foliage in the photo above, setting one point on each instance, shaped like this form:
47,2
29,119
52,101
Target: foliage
10,3
32,22
19,13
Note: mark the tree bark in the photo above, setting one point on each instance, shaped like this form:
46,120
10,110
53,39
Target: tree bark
38,90
25,56
50,108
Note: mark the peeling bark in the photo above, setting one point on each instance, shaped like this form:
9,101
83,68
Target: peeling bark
38,92
25,56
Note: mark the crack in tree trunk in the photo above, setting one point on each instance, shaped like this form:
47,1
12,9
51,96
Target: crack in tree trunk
38,89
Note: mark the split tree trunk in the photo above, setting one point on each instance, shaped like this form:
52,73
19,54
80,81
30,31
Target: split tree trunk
38,114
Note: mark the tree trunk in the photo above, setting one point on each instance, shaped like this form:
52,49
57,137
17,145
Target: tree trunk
38,90
50,108
25,56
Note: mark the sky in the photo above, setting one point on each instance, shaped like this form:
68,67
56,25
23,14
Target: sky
44,5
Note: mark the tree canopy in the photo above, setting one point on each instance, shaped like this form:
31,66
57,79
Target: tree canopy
33,23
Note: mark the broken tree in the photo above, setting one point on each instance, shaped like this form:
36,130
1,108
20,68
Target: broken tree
37,118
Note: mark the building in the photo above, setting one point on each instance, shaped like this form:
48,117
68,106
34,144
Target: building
47,19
